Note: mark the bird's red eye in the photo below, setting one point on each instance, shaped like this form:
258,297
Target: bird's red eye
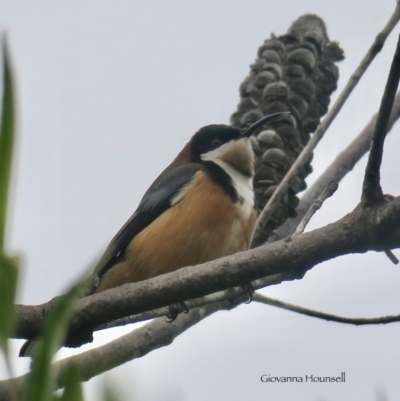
216,143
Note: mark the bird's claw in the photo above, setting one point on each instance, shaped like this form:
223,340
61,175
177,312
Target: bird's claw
249,291
175,310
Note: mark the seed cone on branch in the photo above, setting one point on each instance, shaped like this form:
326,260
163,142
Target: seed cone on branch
295,72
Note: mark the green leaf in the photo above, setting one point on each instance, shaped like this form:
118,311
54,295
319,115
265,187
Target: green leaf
8,286
6,138
40,381
72,387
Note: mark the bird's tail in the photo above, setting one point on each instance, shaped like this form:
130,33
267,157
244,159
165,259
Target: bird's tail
26,349
91,279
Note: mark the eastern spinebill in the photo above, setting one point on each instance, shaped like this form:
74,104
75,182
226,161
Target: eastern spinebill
200,208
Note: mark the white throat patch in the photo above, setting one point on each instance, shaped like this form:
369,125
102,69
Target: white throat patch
226,156
242,183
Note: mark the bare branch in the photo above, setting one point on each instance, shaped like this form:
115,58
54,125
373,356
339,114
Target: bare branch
325,316
392,257
372,191
232,293
322,128
338,169
376,228
136,344
327,193
164,311
157,334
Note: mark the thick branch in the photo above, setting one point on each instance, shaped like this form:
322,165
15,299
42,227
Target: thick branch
372,191
336,171
376,228
324,316
322,128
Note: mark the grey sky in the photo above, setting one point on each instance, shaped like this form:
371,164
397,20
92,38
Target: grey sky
108,95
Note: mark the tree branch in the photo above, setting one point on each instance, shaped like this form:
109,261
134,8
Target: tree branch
322,128
136,344
337,170
392,257
325,316
372,191
157,334
376,228
220,296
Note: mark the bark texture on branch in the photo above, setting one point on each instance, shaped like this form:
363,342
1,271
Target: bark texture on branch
294,72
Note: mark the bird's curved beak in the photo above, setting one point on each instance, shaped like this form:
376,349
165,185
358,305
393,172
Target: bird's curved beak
253,127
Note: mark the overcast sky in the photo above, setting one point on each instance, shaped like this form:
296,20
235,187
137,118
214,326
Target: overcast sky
108,93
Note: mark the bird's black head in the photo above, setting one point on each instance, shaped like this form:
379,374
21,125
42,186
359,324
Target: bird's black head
212,137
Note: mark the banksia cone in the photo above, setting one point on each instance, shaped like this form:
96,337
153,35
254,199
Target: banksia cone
294,72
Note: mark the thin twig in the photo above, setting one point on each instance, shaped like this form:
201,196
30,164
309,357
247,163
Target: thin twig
322,128
336,171
392,257
372,191
325,316
316,205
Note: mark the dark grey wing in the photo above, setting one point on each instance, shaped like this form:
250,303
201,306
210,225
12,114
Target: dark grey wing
155,201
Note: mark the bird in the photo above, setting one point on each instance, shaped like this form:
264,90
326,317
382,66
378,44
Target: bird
200,208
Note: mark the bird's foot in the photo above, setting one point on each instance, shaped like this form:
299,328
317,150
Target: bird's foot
175,310
246,298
